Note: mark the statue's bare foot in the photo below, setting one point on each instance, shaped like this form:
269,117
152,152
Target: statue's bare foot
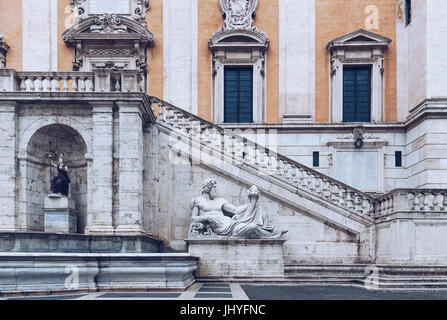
284,231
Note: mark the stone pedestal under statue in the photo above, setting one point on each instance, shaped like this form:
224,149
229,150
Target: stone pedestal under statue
238,258
60,214
247,245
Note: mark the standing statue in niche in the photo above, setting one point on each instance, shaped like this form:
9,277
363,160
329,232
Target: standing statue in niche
60,184
212,216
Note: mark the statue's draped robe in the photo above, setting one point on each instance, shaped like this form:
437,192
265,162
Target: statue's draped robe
60,183
253,223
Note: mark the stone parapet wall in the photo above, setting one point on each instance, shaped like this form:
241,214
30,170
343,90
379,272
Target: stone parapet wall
64,272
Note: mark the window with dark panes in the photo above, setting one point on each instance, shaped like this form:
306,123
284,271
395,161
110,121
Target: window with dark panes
408,12
357,94
238,94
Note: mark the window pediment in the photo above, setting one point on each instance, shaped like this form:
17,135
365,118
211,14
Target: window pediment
238,38
359,38
108,27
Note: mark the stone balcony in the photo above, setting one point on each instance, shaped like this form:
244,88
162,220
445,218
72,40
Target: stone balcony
99,80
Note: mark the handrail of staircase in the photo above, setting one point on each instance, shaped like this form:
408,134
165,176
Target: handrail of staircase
289,170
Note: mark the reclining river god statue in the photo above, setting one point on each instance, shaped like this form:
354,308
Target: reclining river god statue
212,216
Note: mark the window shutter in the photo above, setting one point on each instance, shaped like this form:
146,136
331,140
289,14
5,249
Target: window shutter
238,97
357,94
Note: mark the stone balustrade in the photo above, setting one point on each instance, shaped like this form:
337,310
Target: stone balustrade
411,200
99,80
240,151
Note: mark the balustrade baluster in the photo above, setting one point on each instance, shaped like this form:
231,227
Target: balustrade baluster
65,85
32,87
81,84
46,87
304,175
23,84
288,171
74,84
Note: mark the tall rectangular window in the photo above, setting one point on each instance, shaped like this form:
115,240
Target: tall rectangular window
356,94
408,12
316,159
238,94
398,159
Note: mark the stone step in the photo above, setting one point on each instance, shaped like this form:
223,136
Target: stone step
370,276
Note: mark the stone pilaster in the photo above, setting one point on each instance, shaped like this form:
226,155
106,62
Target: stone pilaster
8,168
130,215
100,172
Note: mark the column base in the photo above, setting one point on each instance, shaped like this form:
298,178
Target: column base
131,230
100,230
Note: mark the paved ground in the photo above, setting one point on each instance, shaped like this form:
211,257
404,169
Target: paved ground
225,291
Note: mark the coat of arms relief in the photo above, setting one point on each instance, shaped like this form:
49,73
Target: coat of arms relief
238,14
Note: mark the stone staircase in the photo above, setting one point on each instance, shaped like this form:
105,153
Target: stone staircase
245,152
284,180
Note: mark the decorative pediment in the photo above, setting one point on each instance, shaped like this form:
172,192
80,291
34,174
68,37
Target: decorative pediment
360,38
108,27
239,37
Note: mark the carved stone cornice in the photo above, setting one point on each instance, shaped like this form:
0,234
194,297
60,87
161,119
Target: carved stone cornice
112,27
246,38
360,39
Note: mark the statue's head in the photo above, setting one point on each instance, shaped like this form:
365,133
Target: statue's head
209,186
61,158
253,192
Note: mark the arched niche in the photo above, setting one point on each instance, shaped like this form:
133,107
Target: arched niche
37,173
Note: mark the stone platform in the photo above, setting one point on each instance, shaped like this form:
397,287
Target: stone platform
76,243
238,258
65,272
60,214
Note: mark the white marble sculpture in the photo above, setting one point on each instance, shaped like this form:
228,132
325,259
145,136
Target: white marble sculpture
216,217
